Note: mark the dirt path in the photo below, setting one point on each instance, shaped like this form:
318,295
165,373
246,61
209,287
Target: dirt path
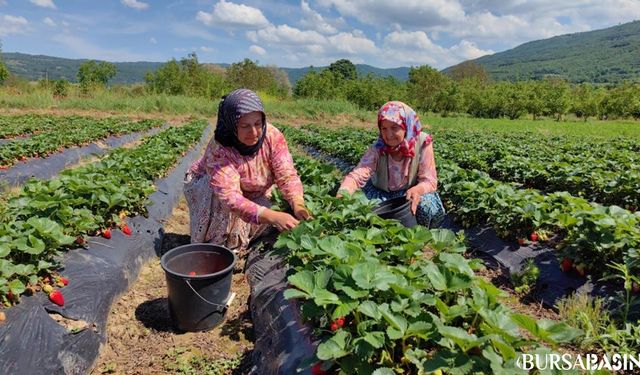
141,339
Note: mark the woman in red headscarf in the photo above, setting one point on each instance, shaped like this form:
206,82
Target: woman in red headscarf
400,163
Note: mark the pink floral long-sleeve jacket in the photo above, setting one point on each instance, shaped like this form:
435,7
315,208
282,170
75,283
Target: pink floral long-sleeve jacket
237,180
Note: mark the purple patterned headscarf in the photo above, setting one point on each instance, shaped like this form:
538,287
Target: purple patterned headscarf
231,108
404,116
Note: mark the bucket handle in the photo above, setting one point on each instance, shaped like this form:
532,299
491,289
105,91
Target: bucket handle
224,307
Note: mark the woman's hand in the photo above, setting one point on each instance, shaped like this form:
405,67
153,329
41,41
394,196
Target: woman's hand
281,220
301,212
414,195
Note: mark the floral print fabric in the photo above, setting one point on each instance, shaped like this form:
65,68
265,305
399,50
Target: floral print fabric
240,187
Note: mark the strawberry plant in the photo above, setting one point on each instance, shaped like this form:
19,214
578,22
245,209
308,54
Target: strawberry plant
46,217
380,306
593,234
61,132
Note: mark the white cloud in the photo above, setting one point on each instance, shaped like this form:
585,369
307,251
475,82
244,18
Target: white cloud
297,46
135,4
13,25
416,48
230,15
49,22
153,40
285,34
466,50
314,20
411,14
413,47
44,3
207,49
257,50
352,43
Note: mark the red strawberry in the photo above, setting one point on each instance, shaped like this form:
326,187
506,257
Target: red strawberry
334,326
522,241
126,230
340,321
64,281
106,233
533,237
192,273
80,240
10,296
56,297
565,265
317,369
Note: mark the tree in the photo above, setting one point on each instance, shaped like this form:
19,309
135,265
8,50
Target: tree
426,86
586,101
534,98
187,77
4,71
319,85
344,68
249,74
469,70
556,96
94,73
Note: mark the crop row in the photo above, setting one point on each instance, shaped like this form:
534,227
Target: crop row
18,125
600,171
592,234
68,131
45,217
382,305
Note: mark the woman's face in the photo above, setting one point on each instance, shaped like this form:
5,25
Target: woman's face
392,133
249,128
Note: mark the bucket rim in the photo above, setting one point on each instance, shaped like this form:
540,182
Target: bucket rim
165,256
401,201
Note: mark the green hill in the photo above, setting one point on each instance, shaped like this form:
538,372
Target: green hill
602,56
35,67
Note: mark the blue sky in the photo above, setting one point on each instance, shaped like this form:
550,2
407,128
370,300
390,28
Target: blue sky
385,33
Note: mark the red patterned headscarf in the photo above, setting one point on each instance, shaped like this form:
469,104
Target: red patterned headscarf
404,116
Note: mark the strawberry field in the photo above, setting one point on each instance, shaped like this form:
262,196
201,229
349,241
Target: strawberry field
346,292
47,134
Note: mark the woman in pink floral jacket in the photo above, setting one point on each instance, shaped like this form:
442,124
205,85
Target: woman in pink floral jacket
228,190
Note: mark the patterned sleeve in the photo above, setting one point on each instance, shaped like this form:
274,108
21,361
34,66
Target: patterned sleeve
283,169
358,177
427,175
225,181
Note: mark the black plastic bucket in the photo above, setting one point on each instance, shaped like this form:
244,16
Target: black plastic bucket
197,302
397,208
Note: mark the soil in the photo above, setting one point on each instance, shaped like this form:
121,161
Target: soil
140,335
523,304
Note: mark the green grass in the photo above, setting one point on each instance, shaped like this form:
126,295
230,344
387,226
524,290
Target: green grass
544,127
105,100
314,109
132,99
